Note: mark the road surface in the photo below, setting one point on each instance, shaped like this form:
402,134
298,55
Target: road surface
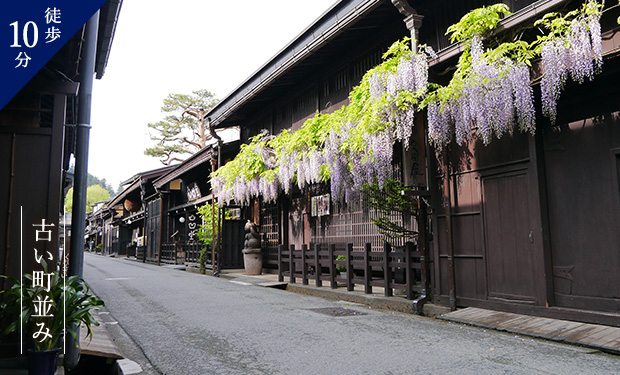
186,323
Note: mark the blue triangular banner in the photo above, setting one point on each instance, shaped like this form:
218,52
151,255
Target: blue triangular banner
32,32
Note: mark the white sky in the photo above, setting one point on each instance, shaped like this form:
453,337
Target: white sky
163,47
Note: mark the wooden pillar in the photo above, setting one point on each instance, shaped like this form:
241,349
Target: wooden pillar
304,265
387,271
291,262
280,273
448,191
409,279
349,268
332,266
367,269
317,267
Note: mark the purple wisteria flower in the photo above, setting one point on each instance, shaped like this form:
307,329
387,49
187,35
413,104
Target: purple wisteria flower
377,84
286,171
496,96
438,123
579,54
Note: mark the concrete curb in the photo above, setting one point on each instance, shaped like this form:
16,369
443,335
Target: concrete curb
376,302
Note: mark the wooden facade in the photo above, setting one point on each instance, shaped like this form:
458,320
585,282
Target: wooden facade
182,190
36,141
536,220
37,138
155,217
528,224
132,218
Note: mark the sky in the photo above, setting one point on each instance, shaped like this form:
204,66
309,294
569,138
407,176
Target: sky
162,47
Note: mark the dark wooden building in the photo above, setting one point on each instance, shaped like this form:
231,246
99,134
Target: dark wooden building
133,222
182,190
95,225
36,141
529,223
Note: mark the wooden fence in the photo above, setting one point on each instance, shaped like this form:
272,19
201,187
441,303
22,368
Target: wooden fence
168,253
186,253
403,268
141,253
192,252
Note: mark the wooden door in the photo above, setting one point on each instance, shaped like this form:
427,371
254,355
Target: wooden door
153,229
233,237
508,236
299,225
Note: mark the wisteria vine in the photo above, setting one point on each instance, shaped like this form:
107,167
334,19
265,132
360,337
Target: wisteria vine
349,147
572,48
489,95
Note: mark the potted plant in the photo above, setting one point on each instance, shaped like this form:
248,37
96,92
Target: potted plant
341,268
51,305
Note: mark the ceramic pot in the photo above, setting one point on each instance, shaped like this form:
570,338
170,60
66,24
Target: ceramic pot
42,362
253,261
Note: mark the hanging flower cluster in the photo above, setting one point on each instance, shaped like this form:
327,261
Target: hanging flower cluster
391,94
490,93
572,48
248,174
348,148
494,96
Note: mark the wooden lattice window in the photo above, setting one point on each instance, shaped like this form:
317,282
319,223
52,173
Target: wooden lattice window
351,222
270,225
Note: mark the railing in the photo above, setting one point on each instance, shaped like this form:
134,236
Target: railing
131,250
168,253
192,252
402,268
270,259
141,253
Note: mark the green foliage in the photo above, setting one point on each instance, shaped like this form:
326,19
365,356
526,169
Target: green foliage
392,199
517,51
205,231
93,180
558,25
248,163
341,267
94,194
72,304
366,112
478,22
183,130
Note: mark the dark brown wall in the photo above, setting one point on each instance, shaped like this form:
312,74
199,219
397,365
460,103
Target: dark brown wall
495,220
582,161
30,179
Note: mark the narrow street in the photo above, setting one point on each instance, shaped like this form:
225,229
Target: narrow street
186,323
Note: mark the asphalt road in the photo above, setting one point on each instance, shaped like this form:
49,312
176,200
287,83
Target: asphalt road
185,323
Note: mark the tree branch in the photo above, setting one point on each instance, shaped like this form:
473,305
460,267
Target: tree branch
167,158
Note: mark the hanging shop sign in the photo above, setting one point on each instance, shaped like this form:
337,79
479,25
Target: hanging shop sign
320,205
